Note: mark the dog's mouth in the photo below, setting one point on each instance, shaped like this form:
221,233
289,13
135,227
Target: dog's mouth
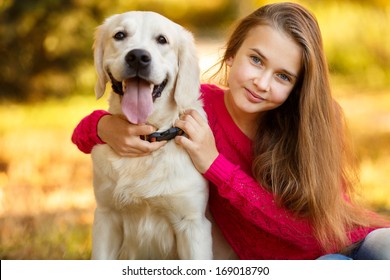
138,96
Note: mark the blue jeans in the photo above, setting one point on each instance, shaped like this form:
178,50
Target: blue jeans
376,246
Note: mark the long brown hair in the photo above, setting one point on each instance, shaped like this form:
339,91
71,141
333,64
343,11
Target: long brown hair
301,152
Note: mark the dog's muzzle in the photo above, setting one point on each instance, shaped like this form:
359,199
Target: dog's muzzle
117,87
138,62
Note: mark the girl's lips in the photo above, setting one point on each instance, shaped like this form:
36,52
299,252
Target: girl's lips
253,97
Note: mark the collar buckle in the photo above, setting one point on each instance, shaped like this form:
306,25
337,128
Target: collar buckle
164,135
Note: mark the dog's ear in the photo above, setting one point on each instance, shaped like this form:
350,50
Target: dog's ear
188,80
98,46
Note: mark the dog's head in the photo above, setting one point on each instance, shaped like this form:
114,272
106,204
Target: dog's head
150,61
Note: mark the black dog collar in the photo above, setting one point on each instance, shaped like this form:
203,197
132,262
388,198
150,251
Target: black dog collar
164,135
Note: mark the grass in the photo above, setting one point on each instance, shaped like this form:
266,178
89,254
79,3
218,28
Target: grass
46,198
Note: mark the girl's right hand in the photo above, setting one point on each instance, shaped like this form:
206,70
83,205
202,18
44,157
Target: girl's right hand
125,138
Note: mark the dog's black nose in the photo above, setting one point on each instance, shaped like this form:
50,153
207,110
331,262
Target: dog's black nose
138,59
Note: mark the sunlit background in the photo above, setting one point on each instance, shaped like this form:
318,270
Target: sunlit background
46,87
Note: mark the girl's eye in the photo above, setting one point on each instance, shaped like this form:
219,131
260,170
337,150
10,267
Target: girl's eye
119,36
255,59
162,40
284,77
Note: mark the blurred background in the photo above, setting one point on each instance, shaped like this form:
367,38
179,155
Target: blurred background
46,86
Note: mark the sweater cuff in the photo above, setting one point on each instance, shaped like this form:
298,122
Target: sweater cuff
95,118
220,171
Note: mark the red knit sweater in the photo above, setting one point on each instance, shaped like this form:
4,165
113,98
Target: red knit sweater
245,212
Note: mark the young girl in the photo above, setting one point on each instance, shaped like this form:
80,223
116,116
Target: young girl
274,147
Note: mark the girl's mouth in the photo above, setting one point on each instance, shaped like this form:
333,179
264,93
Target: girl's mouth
253,97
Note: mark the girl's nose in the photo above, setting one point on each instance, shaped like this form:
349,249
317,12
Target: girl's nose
263,82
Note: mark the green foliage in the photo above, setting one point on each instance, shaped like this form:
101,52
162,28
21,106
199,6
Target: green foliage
357,40
45,46
42,44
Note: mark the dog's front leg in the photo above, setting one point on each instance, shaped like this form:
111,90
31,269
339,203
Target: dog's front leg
194,240
107,234
192,228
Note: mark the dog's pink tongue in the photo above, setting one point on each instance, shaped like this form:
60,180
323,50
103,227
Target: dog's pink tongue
137,101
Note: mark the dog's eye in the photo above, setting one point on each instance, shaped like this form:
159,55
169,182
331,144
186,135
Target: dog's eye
162,40
120,36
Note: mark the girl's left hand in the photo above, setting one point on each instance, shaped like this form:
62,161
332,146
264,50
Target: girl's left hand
199,141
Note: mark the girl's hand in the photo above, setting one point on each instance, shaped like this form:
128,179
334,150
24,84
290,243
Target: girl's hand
124,137
200,142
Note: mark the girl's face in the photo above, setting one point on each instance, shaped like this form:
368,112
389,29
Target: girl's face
262,72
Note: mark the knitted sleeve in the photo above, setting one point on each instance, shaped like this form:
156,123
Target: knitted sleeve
85,134
257,204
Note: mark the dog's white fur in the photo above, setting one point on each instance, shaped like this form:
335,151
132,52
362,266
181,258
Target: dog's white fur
150,207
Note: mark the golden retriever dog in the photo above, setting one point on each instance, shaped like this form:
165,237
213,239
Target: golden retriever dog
150,207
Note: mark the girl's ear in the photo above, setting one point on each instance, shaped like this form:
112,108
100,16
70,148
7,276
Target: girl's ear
229,61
